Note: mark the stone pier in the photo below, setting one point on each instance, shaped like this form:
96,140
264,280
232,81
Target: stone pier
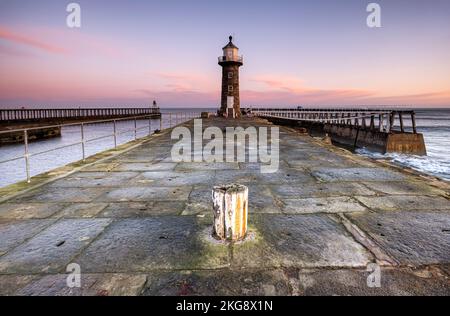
138,223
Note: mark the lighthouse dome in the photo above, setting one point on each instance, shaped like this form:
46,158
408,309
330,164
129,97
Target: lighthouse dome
230,51
230,44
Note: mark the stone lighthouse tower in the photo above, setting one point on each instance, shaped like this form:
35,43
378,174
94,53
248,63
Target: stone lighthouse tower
230,62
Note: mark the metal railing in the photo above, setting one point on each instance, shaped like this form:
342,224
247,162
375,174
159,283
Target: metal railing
173,120
238,59
377,119
8,115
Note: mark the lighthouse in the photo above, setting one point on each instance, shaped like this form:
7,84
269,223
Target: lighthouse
230,62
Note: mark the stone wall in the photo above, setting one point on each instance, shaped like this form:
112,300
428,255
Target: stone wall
234,81
33,134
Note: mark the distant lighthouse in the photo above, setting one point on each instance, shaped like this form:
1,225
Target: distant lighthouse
230,62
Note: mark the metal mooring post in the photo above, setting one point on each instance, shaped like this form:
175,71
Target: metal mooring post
230,205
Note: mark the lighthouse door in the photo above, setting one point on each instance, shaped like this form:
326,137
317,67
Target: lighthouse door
230,107
230,102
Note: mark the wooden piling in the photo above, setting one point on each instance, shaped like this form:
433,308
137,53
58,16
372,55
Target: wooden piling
230,205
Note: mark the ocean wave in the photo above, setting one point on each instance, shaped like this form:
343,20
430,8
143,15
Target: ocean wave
434,165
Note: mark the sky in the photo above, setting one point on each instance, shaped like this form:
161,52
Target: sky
310,53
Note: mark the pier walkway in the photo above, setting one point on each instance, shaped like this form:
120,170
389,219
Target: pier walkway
139,224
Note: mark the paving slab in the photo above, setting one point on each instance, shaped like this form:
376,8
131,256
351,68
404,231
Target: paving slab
91,285
356,174
412,237
56,194
169,242
145,166
13,233
10,284
405,202
146,194
95,179
142,209
221,282
321,205
353,282
261,201
249,177
318,160
256,166
29,210
403,188
298,241
174,178
320,190
82,210
187,166
101,166
52,249
200,201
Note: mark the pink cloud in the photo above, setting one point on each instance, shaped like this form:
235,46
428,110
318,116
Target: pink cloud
436,98
180,82
277,82
63,41
182,98
288,90
17,38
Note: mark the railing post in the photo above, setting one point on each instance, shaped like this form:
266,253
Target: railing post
115,134
400,116
170,119
160,122
413,121
135,128
27,156
83,142
391,121
149,125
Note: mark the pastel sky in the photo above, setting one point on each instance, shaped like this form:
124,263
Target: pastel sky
129,52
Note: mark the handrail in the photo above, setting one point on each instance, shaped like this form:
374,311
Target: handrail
383,120
76,123
238,59
176,118
14,114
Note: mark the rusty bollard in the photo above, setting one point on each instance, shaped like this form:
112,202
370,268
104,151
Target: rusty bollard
230,205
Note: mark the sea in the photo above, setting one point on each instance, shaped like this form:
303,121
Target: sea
433,123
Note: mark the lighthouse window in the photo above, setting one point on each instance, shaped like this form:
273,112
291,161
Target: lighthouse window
230,88
230,75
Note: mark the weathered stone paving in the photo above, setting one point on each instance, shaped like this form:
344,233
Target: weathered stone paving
138,223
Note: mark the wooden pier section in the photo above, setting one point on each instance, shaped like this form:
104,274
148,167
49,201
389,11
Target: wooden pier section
381,130
46,123
138,223
17,116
